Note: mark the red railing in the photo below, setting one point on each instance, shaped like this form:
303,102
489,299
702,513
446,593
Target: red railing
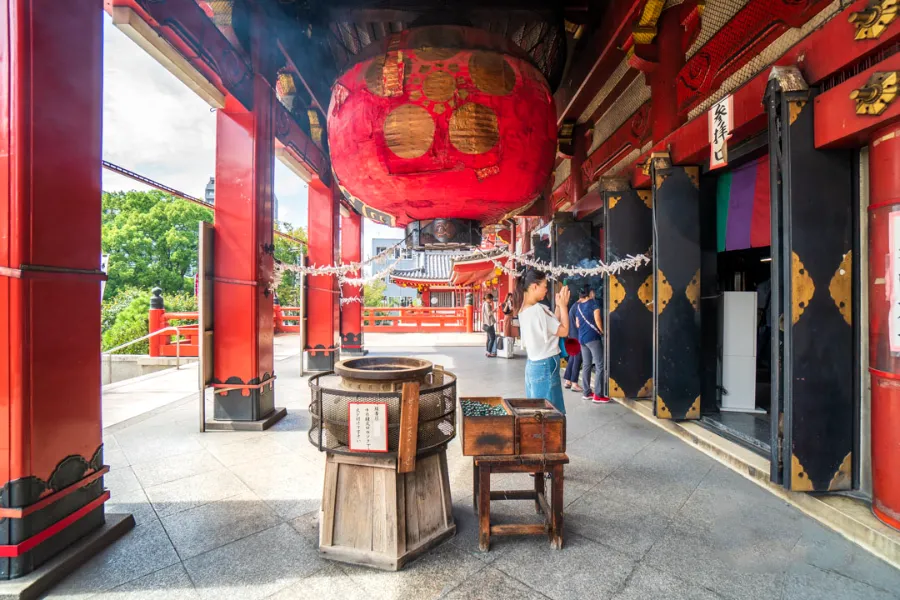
288,318
414,320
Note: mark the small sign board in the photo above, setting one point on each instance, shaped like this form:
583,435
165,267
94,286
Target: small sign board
368,426
721,124
893,280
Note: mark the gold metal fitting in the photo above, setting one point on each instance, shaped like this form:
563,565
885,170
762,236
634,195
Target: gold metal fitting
873,20
877,94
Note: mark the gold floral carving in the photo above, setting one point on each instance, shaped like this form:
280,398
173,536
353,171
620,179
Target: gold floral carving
612,201
439,86
794,109
409,131
874,19
646,197
693,291
877,94
647,390
663,292
662,411
645,292
694,411
800,481
491,73
802,287
614,390
616,293
473,129
842,479
841,288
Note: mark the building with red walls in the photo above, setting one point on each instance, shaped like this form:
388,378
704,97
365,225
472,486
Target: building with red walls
677,137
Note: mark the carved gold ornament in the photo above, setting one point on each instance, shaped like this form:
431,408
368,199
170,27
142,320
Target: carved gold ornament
693,291
612,201
616,293
873,20
662,411
663,292
802,287
795,107
614,390
841,288
877,94
800,481
315,126
645,292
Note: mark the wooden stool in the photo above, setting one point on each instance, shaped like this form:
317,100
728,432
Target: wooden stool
537,464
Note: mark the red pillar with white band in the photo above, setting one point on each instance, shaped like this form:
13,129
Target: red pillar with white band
884,323
51,454
321,346
351,312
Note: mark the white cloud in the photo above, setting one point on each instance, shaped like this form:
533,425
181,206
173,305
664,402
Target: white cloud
156,126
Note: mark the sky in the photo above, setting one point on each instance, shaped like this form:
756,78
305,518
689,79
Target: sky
156,126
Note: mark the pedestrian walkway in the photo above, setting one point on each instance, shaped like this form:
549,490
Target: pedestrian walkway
234,515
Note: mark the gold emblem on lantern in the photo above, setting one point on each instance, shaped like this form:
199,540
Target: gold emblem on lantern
409,131
381,69
473,129
436,43
491,73
439,86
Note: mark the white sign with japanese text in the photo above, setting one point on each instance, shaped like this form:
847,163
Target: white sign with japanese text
368,427
721,123
893,280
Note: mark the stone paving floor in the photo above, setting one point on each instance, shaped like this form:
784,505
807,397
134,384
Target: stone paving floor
234,515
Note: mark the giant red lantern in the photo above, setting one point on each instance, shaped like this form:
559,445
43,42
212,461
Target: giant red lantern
442,122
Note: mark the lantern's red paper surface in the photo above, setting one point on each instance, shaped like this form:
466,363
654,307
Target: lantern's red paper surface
443,122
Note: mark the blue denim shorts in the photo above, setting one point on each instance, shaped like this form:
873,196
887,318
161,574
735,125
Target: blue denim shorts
542,381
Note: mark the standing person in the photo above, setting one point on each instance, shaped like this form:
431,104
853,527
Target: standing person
511,312
541,331
488,324
573,364
590,335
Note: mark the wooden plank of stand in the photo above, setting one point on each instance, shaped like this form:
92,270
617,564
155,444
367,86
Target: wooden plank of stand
514,495
409,428
542,502
520,529
326,523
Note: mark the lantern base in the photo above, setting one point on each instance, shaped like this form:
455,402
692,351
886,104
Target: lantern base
443,234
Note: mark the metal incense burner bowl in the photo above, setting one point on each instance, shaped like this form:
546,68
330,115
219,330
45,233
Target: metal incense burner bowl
380,380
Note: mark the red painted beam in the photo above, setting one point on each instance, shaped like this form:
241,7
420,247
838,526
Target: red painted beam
751,30
633,133
586,76
837,125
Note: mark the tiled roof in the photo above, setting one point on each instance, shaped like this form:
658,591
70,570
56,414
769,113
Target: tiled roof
437,266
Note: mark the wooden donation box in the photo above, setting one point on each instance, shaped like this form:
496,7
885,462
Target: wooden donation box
384,424
516,436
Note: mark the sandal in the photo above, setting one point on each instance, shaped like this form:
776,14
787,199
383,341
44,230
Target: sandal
577,388
568,385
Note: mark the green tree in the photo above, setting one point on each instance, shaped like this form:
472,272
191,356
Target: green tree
130,316
151,238
289,252
373,293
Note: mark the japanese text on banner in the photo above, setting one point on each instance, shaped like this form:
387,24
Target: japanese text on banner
721,123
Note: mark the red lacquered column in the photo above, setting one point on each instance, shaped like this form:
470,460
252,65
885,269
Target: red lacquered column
321,289
351,313
884,364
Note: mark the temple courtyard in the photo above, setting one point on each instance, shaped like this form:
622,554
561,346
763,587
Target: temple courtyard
234,515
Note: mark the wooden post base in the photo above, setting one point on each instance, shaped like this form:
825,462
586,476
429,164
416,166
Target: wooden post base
536,464
373,516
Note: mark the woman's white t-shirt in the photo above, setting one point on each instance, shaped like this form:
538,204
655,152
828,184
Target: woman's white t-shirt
538,327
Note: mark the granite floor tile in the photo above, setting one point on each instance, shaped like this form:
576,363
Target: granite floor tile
648,583
428,577
582,570
491,584
156,445
121,480
626,527
330,582
190,492
258,448
171,583
291,485
256,566
141,551
172,468
207,527
133,502
805,582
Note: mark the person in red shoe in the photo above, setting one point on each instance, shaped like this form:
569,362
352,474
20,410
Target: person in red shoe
590,336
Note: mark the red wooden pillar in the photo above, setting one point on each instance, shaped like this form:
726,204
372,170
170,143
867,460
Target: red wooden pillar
243,313
50,138
351,313
322,299
884,361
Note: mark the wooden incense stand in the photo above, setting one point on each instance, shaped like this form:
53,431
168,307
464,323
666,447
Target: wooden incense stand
381,511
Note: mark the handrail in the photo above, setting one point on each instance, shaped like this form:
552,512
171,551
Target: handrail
169,329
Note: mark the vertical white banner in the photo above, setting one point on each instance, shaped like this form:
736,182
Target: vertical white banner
104,266
721,123
892,278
